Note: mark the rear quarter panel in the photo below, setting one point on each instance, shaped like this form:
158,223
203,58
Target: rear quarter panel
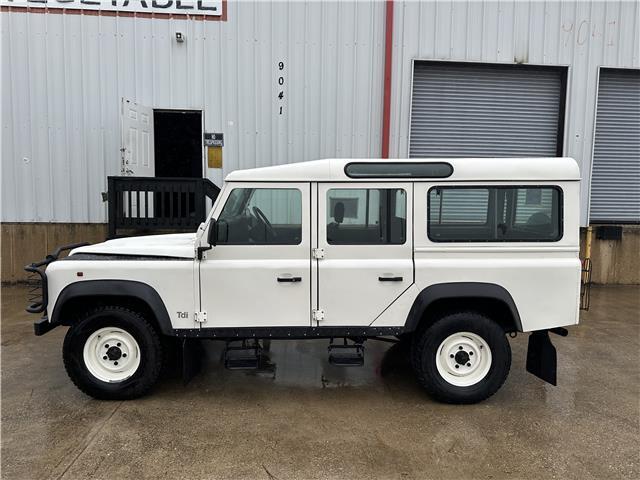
543,278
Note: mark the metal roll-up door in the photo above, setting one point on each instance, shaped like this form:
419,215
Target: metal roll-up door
615,177
486,110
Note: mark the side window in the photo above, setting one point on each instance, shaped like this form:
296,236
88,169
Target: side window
366,216
464,207
495,214
261,216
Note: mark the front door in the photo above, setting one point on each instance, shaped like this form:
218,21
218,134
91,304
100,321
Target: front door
367,260
259,272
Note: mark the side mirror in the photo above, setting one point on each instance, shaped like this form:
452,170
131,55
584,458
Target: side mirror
213,232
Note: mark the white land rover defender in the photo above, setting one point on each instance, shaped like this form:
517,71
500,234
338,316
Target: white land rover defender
449,256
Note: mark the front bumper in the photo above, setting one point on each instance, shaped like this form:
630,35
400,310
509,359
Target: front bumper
38,295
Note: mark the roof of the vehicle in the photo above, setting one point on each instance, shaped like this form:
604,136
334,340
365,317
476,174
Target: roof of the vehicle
464,169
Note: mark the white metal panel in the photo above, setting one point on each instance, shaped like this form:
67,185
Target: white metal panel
350,291
615,181
464,169
334,55
65,76
223,275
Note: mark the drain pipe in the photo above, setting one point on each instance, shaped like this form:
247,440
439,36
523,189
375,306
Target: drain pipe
386,101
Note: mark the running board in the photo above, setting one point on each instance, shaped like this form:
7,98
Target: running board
346,355
243,357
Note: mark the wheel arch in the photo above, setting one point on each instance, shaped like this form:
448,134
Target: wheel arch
487,298
135,295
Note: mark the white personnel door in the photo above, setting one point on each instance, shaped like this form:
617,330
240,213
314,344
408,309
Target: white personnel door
367,250
137,140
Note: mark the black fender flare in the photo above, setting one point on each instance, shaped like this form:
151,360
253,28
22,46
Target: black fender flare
453,290
114,288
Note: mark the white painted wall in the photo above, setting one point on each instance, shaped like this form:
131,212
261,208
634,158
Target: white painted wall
63,77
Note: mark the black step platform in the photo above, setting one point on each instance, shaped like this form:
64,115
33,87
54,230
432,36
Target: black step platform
346,355
245,356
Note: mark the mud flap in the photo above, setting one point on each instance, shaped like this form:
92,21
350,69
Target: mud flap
191,353
542,357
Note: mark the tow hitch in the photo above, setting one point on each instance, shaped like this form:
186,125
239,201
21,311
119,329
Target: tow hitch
541,354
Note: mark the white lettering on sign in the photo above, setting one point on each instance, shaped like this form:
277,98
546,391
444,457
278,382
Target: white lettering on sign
174,7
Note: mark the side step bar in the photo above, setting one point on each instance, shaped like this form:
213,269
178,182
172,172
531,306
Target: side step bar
346,355
243,357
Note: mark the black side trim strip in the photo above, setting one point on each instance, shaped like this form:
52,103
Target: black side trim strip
287,333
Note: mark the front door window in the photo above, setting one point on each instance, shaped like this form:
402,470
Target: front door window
261,216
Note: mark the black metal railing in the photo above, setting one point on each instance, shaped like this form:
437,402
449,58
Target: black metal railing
148,203
37,295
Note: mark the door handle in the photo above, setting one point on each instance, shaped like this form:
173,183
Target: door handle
390,279
289,279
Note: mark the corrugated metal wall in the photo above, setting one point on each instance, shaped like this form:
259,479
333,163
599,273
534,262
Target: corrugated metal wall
582,35
615,178
64,75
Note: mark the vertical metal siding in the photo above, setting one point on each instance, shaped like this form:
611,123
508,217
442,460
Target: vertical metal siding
581,35
479,110
64,75
615,179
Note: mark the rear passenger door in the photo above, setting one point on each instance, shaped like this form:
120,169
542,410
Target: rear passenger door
366,250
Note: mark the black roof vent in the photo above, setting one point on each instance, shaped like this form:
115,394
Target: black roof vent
398,170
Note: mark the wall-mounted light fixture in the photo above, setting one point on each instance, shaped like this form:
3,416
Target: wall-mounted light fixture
180,37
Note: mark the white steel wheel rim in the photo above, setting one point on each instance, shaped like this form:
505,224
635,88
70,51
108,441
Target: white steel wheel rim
111,354
463,359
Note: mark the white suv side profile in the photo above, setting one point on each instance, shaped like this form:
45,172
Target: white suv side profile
448,256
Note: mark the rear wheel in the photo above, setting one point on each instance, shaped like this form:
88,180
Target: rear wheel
113,353
462,357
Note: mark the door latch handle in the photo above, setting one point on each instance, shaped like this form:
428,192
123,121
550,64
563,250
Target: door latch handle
390,279
289,279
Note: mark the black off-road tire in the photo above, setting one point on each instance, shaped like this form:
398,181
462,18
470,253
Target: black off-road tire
149,343
425,349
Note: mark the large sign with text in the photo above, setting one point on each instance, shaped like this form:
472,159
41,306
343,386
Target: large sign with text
173,7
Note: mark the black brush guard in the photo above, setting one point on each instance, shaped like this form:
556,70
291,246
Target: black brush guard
38,296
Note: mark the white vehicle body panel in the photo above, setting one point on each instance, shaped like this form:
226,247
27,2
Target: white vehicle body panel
350,291
237,284
534,169
172,279
180,245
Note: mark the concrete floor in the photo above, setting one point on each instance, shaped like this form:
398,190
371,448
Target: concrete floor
305,419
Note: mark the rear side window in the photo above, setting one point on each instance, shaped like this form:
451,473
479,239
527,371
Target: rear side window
495,214
366,216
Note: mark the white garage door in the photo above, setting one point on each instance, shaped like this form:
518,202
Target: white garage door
615,177
483,110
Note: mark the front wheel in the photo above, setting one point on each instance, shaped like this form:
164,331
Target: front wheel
462,357
113,353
